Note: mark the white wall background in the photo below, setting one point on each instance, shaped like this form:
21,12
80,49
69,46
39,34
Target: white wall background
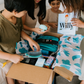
1,4
1,1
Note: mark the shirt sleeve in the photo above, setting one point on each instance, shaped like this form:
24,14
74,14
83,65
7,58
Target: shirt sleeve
46,18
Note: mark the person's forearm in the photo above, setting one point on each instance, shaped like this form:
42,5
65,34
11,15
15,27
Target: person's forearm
82,26
28,28
25,36
4,55
42,22
49,23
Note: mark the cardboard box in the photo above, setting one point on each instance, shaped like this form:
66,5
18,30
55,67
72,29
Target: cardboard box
37,75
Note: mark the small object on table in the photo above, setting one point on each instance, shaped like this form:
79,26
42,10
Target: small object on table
53,66
40,62
49,62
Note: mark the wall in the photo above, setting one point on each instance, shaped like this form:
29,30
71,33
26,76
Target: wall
1,4
1,1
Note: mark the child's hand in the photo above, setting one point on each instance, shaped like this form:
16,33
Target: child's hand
53,25
77,22
33,44
16,58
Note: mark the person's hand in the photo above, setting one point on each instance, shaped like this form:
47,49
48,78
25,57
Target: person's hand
53,25
48,27
16,58
33,44
77,22
39,31
82,82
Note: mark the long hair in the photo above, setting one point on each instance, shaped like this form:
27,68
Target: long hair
82,5
53,0
74,4
42,9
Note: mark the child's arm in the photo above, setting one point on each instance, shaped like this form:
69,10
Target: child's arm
37,30
11,57
45,21
77,22
41,21
52,24
32,43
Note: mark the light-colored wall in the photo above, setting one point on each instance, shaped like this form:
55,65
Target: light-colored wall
1,1
1,4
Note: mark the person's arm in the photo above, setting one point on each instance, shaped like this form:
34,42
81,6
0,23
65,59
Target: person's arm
37,30
45,20
32,43
24,26
11,57
7,56
52,24
41,21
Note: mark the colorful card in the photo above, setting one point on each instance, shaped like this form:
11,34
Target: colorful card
65,24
